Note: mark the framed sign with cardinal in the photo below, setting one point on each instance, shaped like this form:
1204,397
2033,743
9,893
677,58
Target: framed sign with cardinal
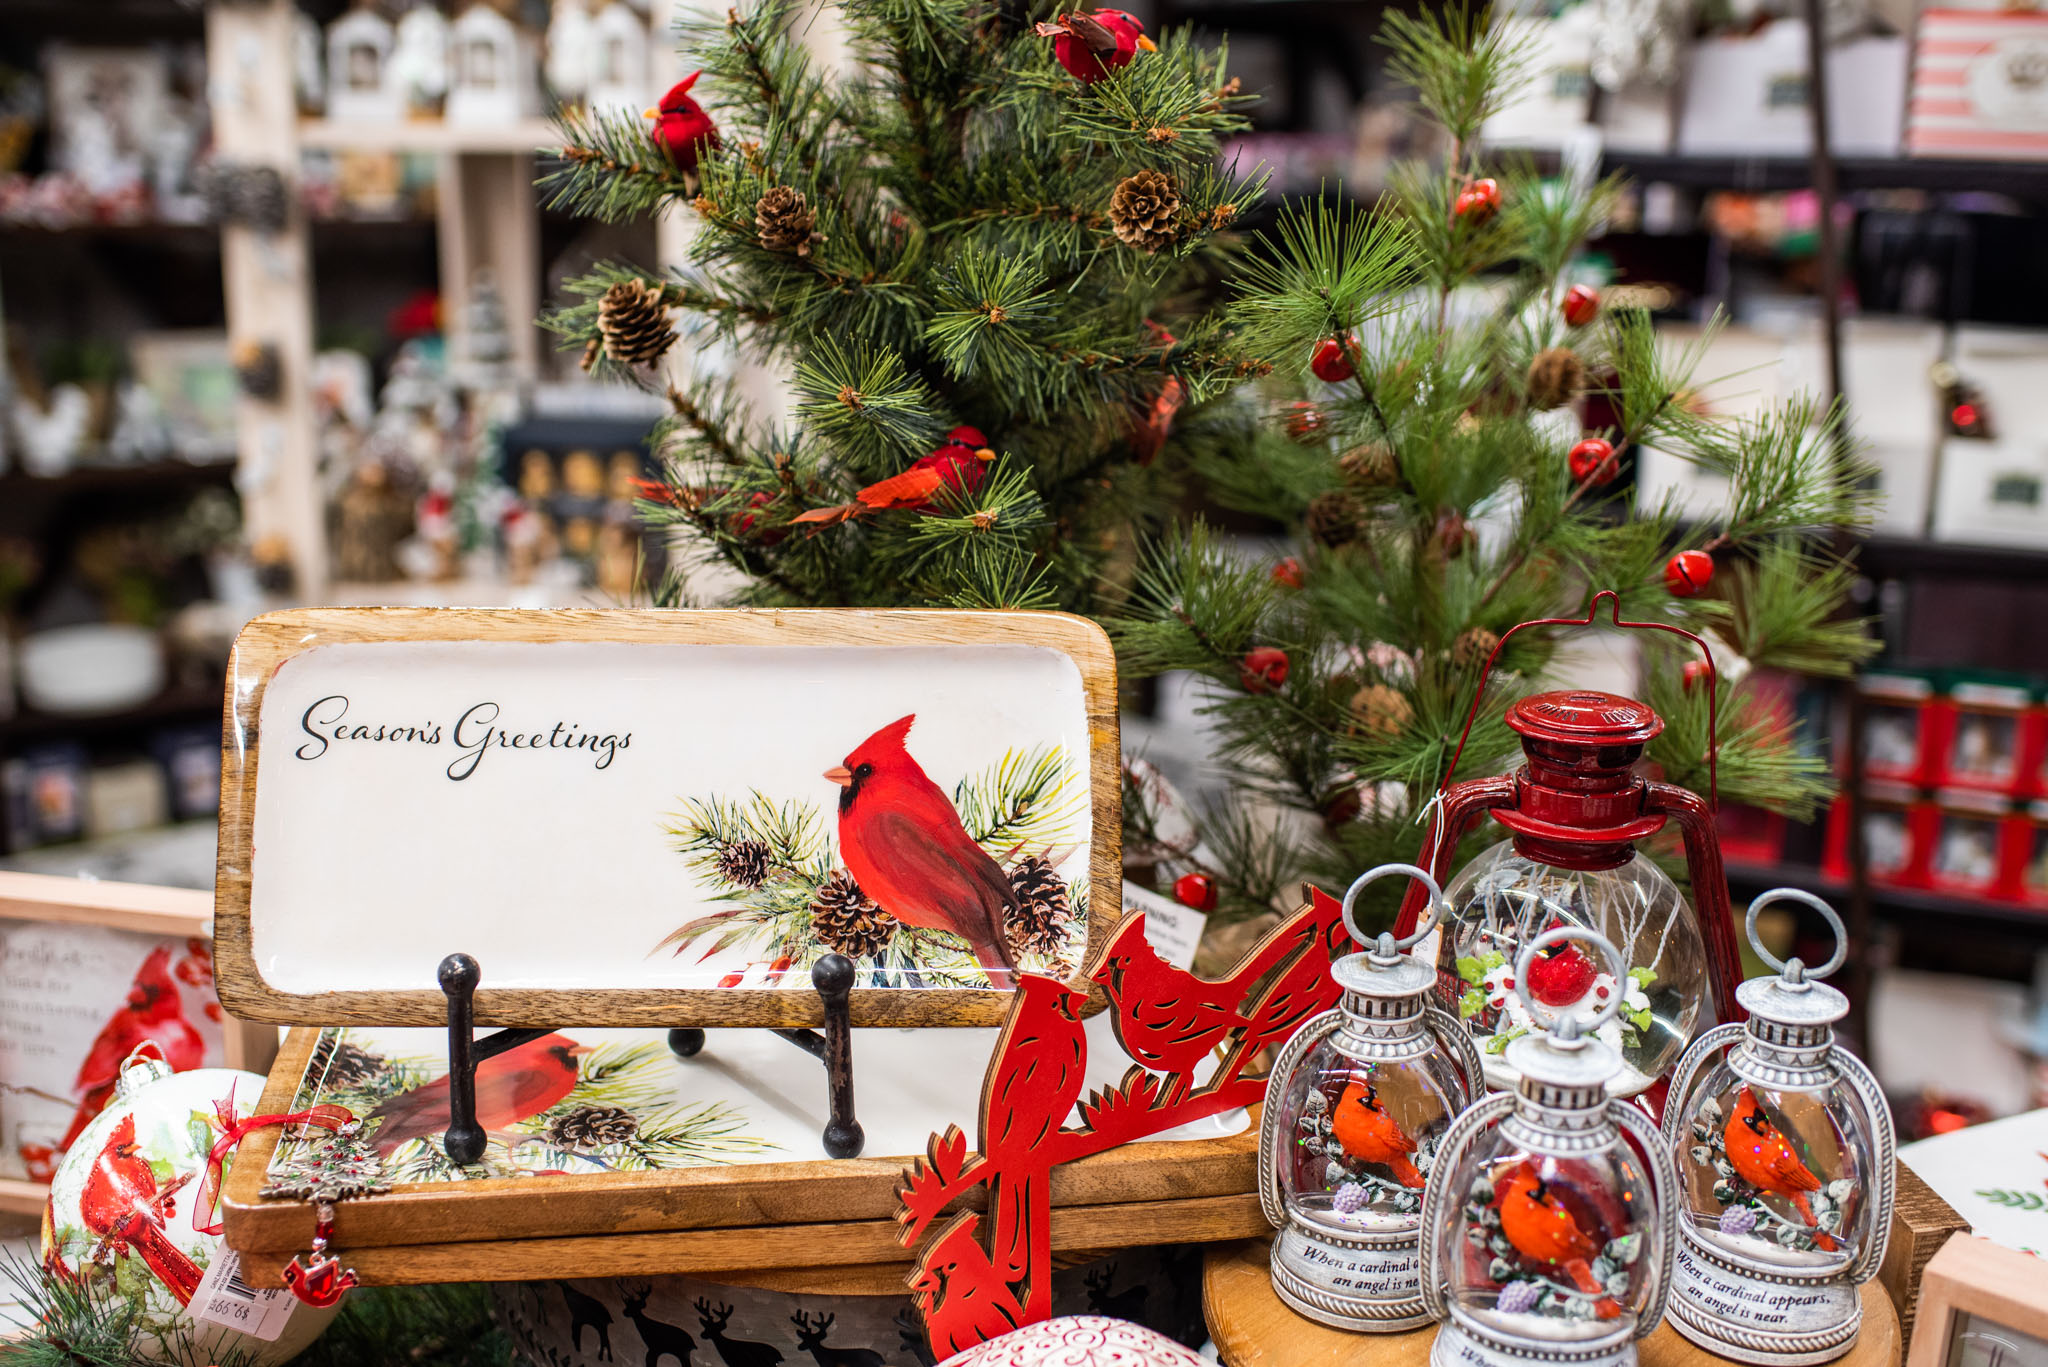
663,818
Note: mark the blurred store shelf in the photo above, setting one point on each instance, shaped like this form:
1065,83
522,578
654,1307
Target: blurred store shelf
430,135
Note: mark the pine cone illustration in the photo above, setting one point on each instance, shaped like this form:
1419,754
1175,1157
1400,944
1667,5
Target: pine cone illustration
1472,647
1371,466
743,863
846,922
1380,710
1555,378
633,321
590,1128
784,222
1143,210
1336,517
343,1064
1040,923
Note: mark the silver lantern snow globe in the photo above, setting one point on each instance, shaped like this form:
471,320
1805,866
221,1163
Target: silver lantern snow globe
1787,1159
1547,1227
1356,1107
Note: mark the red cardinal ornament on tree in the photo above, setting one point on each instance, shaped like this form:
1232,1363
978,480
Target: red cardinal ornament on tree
1090,46
1593,459
1687,574
681,127
1263,670
1478,201
1581,305
1332,360
904,844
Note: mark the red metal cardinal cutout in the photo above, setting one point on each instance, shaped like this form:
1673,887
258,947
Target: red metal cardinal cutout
981,1277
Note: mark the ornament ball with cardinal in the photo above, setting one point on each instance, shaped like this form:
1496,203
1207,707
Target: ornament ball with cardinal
904,844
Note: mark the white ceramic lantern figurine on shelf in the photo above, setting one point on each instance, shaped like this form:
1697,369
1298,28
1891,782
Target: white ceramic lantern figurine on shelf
1786,1154
1547,1224
1356,1106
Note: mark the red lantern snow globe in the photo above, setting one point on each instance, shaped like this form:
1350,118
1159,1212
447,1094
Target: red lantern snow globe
1575,812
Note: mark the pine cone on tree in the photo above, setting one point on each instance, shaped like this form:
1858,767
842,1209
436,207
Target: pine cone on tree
1555,378
1039,925
590,1128
342,1064
1380,710
633,321
1144,210
1371,466
785,222
1336,517
744,863
1472,647
846,922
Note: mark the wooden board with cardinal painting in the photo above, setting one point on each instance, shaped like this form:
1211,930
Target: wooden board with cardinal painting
638,817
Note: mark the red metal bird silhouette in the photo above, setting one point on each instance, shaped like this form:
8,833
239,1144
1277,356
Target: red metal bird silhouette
1539,1219
960,1296
681,127
1041,1060
153,1013
510,1087
1764,1158
1304,988
904,844
1368,1133
122,1205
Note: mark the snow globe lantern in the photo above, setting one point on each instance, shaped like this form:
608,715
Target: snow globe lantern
1575,811
1787,1160
1356,1106
1547,1224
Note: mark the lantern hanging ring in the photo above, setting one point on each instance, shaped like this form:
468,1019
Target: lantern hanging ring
1385,947
1613,601
1795,972
1564,1025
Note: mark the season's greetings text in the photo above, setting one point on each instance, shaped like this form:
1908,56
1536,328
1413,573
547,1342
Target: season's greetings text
478,731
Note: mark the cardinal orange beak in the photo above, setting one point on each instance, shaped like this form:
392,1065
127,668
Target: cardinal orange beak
1146,44
581,1050
841,775
650,113
985,454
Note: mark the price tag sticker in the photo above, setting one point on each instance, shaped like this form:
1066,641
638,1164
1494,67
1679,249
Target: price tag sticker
224,1298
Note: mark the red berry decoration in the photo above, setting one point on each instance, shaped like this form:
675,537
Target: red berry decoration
1197,890
1693,674
1263,670
1581,305
1304,422
1560,975
1594,458
1687,574
1478,201
1332,360
1287,574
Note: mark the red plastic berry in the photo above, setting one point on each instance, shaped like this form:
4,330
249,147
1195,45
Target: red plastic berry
1581,305
1560,975
1332,360
1594,458
1478,201
1304,422
1263,670
1287,574
1693,674
1197,890
1687,574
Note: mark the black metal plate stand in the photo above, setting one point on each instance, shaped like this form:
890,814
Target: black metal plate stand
832,977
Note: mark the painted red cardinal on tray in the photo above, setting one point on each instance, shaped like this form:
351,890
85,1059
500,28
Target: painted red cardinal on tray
122,1205
510,1087
154,1013
904,844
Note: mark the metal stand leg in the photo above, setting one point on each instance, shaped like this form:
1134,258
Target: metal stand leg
832,976
459,974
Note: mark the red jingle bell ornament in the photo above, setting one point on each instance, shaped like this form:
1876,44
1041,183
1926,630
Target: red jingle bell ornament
1694,674
1197,890
1478,201
1263,670
1687,574
1593,458
1287,574
1332,360
1304,422
1581,305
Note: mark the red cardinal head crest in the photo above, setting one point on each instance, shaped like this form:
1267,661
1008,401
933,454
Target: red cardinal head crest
1051,994
678,98
885,748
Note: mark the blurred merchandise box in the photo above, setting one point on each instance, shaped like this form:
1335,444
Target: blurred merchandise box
1980,85
1967,847
1739,375
1984,735
1897,833
1894,412
1746,96
1550,107
1897,740
1992,488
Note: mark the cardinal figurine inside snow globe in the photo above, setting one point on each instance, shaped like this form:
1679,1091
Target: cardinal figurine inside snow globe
1356,1106
1547,1225
1787,1163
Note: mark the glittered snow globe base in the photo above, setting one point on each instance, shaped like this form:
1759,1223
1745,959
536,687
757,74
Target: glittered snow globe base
1464,1341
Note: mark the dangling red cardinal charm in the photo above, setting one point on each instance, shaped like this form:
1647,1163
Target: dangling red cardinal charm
681,127
1538,1220
1090,46
1764,1158
1369,1134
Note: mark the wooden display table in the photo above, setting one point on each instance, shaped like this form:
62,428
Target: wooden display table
1254,1328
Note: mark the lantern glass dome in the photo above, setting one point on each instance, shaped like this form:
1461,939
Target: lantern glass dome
1503,899
1548,1247
1777,1175
1357,1138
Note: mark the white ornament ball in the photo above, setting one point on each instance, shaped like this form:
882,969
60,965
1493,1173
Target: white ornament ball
1078,1341
124,1213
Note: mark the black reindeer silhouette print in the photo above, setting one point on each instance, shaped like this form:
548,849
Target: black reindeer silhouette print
1127,1304
591,1311
662,1340
810,1338
736,1352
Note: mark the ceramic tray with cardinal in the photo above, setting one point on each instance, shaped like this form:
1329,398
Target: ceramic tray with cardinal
638,818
